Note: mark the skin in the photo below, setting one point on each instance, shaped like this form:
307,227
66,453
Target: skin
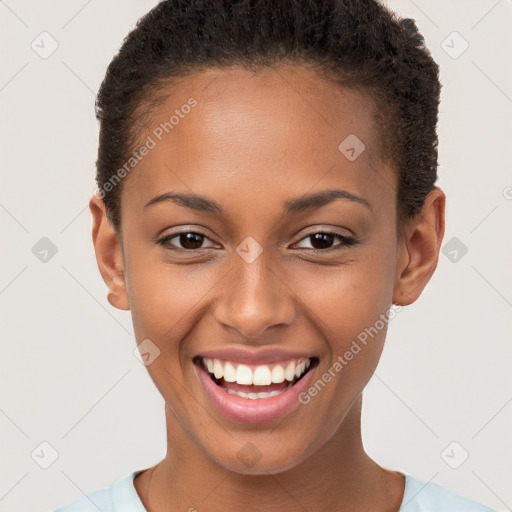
252,142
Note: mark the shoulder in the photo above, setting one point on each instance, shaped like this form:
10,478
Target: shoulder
422,496
94,501
120,496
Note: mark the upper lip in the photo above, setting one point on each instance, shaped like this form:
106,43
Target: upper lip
255,357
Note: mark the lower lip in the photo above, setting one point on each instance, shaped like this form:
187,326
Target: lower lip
261,410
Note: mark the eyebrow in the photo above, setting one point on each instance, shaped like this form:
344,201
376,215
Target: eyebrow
299,204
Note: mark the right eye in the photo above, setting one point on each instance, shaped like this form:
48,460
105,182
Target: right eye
189,240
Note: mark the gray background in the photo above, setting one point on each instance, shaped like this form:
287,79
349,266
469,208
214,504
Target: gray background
68,374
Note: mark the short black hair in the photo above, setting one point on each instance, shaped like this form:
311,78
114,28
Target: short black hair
357,43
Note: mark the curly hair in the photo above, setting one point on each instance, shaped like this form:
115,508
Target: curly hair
355,43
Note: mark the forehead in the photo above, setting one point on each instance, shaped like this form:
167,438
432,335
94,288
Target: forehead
281,131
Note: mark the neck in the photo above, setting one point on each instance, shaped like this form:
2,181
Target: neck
338,476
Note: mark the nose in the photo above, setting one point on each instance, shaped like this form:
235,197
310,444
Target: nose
255,297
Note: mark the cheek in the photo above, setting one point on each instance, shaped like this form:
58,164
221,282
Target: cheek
164,298
350,305
348,299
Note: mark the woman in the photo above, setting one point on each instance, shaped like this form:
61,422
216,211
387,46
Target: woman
266,176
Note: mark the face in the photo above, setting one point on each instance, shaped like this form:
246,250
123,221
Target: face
266,266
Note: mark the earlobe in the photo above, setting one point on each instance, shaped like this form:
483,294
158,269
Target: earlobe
109,256
419,249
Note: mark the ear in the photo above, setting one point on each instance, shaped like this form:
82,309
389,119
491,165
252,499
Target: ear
418,249
109,254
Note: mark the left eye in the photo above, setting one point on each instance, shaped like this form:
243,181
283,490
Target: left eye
322,239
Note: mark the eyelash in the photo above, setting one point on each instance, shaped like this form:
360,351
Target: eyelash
346,241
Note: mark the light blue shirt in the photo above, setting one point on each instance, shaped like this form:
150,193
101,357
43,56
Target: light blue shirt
121,496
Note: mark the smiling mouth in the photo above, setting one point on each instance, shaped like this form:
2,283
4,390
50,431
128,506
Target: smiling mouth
255,381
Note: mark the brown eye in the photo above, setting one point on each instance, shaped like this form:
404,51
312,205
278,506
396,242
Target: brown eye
324,240
187,240
190,240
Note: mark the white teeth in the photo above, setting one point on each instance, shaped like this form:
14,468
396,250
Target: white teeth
289,373
254,396
243,375
218,369
229,373
300,369
263,375
277,374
